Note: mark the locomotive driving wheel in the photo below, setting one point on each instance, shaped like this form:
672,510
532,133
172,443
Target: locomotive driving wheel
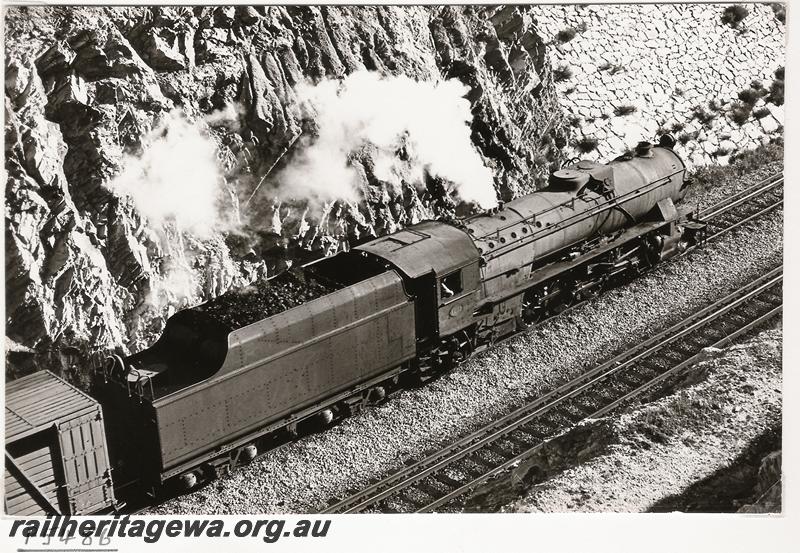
559,297
531,311
460,348
651,251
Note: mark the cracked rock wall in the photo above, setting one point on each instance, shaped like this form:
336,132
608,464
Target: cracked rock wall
85,87
679,67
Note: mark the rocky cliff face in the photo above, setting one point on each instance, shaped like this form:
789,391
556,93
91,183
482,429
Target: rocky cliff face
89,91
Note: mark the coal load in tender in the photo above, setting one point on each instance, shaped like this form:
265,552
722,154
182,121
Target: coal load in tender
238,308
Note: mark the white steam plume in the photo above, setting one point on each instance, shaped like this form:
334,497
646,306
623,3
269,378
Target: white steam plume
177,183
228,116
177,178
429,119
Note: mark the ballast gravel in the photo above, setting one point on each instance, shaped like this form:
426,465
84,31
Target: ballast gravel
306,475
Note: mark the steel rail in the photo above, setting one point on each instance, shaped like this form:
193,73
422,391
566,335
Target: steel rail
743,196
726,341
597,414
507,424
746,220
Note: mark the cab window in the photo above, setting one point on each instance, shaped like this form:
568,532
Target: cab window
451,285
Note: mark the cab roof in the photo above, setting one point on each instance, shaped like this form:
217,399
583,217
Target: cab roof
426,246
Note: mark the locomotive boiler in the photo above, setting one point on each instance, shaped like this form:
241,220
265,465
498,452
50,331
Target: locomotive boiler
230,378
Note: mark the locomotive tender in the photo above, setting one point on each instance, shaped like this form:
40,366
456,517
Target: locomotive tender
214,390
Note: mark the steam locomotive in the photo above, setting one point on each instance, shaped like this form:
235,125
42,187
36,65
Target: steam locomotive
229,379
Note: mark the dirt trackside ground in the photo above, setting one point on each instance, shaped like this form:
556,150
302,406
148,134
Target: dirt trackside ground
704,443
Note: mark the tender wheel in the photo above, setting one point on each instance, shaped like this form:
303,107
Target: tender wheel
324,417
187,481
376,395
248,453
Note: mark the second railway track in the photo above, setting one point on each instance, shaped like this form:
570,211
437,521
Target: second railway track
439,481
747,205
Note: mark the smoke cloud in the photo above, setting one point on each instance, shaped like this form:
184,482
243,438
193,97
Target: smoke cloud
428,121
178,183
177,178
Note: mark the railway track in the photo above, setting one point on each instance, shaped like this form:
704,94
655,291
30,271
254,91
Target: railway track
744,206
440,480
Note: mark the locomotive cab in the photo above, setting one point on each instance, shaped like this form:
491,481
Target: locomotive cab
457,297
440,266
